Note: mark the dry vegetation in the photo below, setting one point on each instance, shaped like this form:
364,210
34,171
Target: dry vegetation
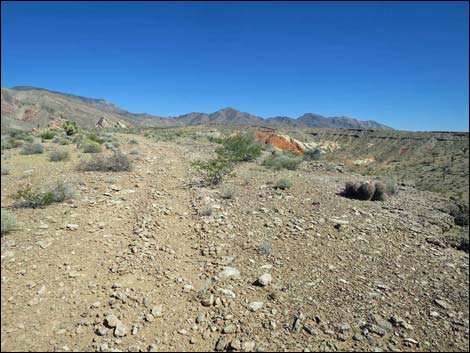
184,239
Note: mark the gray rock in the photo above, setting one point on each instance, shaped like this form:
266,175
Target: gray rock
221,344
229,272
265,279
102,331
255,306
120,330
156,311
230,329
112,321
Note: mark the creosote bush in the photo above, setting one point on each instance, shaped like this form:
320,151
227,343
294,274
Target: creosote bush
283,161
56,156
117,162
35,148
239,148
89,146
314,155
214,170
47,135
283,184
8,222
28,198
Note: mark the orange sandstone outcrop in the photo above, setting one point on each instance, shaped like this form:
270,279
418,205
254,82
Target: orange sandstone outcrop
284,143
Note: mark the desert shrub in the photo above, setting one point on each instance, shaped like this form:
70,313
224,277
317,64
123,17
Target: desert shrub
117,162
265,248
133,142
95,138
283,184
239,148
460,241
135,151
5,170
314,155
34,148
28,198
206,211
214,170
70,127
89,146
61,140
215,139
56,156
391,186
8,222
463,243
283,161
109,146
226,193
10,142
47,135
379,192
6,144
21,135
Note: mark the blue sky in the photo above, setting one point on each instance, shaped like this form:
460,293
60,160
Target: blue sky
404,64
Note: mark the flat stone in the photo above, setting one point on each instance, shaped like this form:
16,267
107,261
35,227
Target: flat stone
229,272
230,329
255,306
156,310
120,330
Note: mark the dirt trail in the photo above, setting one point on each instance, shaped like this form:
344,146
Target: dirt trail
131,252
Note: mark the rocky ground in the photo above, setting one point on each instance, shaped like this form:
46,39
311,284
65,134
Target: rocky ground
149,260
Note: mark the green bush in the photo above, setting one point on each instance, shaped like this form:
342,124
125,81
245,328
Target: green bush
47,135
56,156
21,135
8,222
35,148
118,162
134,151
95,138
27,198
6,144
239,148
133,142
5,170
314,155
89,146
70,127
215,139
214,170
283,184
283,161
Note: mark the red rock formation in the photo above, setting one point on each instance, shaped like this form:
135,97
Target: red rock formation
282,142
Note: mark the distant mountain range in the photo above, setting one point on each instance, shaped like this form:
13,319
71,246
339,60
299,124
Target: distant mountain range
27,107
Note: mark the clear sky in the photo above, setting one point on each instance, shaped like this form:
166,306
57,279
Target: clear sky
404,64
